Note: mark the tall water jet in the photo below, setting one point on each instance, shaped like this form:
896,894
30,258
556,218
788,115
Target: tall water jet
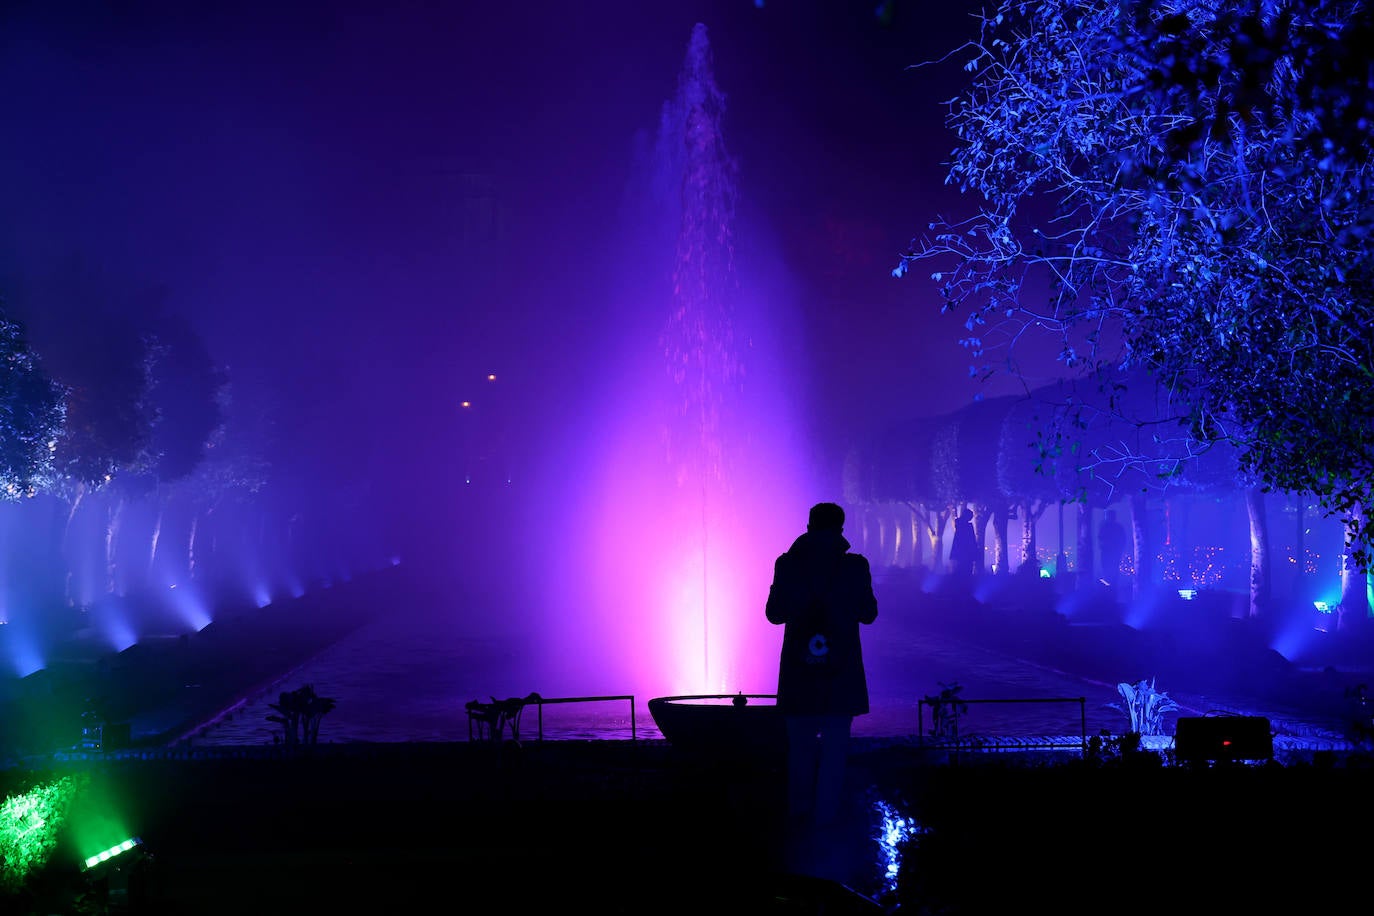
698,340
688,473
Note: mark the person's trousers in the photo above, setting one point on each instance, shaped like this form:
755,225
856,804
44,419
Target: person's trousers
817,754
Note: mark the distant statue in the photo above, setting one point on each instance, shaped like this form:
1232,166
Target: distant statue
963,549
820,594
1111,547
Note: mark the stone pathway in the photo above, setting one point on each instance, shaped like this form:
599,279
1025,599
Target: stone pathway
395,682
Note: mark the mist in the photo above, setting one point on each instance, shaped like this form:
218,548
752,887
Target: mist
437,255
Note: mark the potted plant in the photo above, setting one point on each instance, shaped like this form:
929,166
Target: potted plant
1146,706
299,713
945,709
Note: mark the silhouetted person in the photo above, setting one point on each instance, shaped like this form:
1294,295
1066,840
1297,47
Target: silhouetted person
820,594
963,549
1111,547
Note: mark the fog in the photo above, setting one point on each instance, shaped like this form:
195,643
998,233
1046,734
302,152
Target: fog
437,253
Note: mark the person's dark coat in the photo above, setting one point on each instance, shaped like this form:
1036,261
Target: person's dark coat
821,593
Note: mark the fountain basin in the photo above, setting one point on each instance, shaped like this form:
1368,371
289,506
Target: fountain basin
722,726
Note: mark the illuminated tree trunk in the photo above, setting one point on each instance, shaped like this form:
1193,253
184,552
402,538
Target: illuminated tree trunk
1061,562
1001,555
901,533
113,520
919,531
1355,587
881,552
862,529
980,529
935,522
1141,560
1295,587
913,533
1030,514
1086,548
1259,553
70,577
894,538
152,542
191,546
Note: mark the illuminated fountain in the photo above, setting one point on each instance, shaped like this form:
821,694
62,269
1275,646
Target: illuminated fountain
688,474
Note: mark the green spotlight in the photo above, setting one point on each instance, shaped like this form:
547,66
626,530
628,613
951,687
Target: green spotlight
106,854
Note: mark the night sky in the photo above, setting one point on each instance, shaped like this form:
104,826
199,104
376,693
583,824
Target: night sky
304,182
365,208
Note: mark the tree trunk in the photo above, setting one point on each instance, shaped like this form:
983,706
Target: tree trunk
1141,560
113,519
1259,553
152,543
1086,548
191,546
980,529
918,550
1030,515
1354,610
935,522
69,578
888,538
1001,557
1061,562
857,522
913,537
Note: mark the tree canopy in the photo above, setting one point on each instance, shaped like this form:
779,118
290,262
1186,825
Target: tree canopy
1181,188
31,414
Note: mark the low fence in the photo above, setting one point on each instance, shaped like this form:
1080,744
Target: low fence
945,727
495,720
620,697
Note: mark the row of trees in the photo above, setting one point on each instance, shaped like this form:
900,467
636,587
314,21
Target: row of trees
989,456
1179,194
119,408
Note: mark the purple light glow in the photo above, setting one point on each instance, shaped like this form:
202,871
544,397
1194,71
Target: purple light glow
24,655
192,609
1296,638
112,621
670,587
687,475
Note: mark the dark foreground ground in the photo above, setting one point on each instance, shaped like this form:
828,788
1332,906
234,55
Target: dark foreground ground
646,827
619,827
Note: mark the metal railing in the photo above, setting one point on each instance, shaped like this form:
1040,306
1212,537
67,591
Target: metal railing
983,742
549,701
492,721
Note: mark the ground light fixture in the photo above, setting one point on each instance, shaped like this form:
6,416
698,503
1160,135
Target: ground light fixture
106,855
112,878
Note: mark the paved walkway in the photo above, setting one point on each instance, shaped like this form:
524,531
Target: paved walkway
238,830
396,682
